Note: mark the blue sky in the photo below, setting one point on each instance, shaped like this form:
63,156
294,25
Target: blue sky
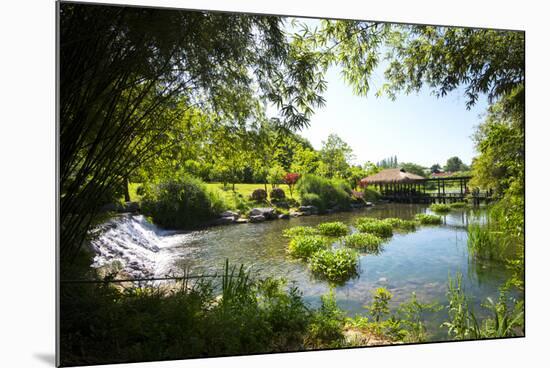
418,128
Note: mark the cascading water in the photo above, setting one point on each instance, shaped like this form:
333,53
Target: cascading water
139,246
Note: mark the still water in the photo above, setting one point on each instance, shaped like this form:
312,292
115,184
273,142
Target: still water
419,261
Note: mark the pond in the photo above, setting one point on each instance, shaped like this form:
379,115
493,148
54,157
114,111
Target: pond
419,261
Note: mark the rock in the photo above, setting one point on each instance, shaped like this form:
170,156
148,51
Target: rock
112,207
267,212
368,204
131,207
230,214
295,213
284,216
224,220
282,204
257,218
242,220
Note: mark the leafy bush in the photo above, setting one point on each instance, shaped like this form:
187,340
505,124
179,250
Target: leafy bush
182,203
426,219
440,207
277,194
368,242
300,231
305,245
335,265
326,329
258,195
370,195
378,227
333,228
400,224
329,193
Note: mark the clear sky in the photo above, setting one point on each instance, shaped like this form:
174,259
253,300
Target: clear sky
418,128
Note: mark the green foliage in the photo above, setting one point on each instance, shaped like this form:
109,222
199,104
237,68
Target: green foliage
300,231
324,193
374,226
427,219
333,228
275,175
379,307
440,207
303,246
413,168
485,243
335,265
371,243
455,164
462,322
400,224
326,329
336,156
258,195
102,324
457,205
370,195
181,203
411,318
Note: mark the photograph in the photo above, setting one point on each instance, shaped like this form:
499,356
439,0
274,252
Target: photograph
233,183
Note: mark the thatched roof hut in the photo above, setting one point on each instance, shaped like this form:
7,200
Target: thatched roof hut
388,176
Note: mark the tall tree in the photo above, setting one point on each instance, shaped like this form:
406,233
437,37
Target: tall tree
336,155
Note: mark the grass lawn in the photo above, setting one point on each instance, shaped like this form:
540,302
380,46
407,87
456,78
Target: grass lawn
247,189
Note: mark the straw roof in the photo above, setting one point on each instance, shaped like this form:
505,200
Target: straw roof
391,176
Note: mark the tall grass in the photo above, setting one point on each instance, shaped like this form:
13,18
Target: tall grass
485,243
324,193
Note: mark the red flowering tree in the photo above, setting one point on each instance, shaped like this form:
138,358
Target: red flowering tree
290,179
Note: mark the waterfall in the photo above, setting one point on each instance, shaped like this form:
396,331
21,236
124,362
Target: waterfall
139,246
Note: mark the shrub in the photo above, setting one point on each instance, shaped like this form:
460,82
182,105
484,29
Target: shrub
440,207
181,203
380,228
379,306
258,195
368,242
326,329
458,205
329,193
401,224
300,231
426,219
335,265
333,228
277,194
370,195
303,246
290,179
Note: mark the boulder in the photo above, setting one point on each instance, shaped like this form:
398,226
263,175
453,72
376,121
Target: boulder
308,210
131,207
267,212
368,204
230,214
256,218
294,213
224,220
242,220
284,216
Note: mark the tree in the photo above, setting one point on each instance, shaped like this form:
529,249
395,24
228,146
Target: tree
414,168
355,174
305,161
435,168
455,164
115,79
275,175
290,179
336,155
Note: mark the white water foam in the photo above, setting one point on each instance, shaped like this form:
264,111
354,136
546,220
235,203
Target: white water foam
139,246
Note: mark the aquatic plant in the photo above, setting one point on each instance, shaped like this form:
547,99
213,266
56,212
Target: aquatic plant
484,243
455,205
400,224
379,228
427,219
300,230
335,265
379,307
369,242
326,329
333,228
303,246
411,316
462,323
440,207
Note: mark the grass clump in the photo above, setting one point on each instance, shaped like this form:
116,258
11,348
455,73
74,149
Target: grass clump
379,228
333,228
400,224
304,246
335,265
487,244
300,231
365,241
426,219
324,193
457,205
440,207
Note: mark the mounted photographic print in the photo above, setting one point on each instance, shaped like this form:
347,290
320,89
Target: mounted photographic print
234,184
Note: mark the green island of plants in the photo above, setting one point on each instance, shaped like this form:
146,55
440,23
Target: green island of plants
335,265
333,228
440,207
400,224
377,227
427,219
303,246
458,205
300,230
368,242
